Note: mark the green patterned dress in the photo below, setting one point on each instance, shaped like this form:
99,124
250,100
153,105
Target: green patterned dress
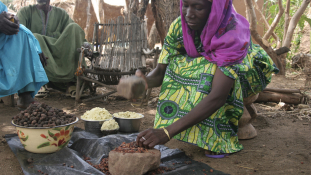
188,80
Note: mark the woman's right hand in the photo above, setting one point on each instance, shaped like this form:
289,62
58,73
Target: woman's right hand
130,90
139,73
6,25
133,87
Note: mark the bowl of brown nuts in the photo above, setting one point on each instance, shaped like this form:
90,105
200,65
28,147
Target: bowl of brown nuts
43,129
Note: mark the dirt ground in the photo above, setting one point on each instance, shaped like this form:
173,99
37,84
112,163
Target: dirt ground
283,144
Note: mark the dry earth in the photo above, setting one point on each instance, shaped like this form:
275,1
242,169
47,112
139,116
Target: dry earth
283,144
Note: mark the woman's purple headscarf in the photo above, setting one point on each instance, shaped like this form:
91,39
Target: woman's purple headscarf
225,37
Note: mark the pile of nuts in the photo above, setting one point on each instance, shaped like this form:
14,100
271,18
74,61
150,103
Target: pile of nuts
103,166
42,115
131,147
160,170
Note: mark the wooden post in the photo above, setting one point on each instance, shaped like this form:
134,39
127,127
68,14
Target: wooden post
155,59
95,35
78,89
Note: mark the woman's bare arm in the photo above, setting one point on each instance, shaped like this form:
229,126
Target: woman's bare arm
155,77
221,87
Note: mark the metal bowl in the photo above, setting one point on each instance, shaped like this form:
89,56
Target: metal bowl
109,132
129,125
94,126
45,139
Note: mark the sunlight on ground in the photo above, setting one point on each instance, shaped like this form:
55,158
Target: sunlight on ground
8,129
151,112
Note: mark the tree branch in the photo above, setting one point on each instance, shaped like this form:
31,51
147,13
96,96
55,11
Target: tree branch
126,7
158,21
275,21
287,19
293,22
267,25
142,9
134,6
258,38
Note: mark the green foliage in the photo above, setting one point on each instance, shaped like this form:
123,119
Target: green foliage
304,18
7,2
271,9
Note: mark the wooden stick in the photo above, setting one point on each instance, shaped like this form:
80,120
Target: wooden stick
78,88
286,91
103,72
156,56
94,81
247,168
99,96
268,96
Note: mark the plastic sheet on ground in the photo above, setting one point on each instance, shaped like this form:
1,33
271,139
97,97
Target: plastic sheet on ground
86,144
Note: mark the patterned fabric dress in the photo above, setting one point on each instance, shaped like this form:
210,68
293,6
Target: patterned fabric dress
188,80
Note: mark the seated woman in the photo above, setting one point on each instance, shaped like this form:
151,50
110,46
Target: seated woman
20,68
206,67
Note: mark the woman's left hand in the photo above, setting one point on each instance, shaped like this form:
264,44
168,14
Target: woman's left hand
151,137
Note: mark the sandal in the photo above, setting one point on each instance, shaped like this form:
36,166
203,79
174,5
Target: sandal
71,92
42,92
217,156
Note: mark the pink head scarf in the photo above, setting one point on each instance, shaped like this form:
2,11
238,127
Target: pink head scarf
225,37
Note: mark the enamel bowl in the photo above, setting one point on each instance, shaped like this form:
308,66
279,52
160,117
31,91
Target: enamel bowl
45,139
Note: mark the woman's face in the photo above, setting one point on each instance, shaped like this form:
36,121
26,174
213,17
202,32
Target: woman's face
196,13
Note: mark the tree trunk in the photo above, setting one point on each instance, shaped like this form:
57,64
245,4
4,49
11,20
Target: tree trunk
98,10
294,21
153,35
88,19
158,21
287,19
134,6
291,28
285,91
259,39
267,96
142,9
126,7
